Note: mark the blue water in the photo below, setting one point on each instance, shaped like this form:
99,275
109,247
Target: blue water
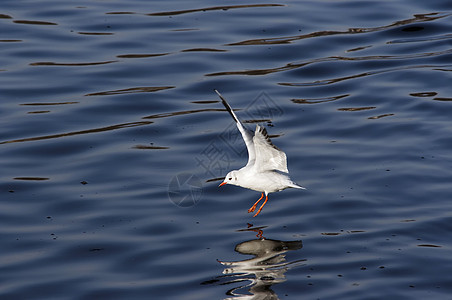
112,142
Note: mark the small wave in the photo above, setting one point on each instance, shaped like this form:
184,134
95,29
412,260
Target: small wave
49,63
179,12
146,89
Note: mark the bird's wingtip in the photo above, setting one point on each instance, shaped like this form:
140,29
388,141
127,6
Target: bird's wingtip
228,108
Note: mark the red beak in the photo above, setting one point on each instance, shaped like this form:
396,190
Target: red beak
223,183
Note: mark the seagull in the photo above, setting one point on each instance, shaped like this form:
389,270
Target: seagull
266,170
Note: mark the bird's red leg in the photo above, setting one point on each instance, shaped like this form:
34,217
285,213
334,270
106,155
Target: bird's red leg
266,198
255,204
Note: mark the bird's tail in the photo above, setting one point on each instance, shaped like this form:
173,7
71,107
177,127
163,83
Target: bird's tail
296,186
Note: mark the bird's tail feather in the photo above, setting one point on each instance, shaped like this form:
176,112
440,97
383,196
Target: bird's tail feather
296,186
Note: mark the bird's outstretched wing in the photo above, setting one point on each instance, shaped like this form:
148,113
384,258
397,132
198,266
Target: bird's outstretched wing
247,136
268,156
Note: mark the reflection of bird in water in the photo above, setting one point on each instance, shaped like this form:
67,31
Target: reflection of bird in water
266,268
266,170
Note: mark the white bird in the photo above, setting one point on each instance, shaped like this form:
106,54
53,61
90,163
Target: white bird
266,170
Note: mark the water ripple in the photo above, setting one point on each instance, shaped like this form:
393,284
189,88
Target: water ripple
365,74
95,33
147,89
356,108
421,39
179,12
29,22
88,131
319,100
290,39
49,103
49,63
292,66
141,55
180,113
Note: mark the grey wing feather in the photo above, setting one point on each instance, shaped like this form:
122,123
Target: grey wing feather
268,156
246,135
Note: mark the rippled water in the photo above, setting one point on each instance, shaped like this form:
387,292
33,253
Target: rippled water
111,141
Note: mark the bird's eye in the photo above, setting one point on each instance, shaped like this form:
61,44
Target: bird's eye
230,178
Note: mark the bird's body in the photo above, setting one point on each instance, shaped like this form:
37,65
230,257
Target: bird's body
266,170
266,182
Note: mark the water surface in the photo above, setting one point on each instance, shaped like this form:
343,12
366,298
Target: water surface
111,139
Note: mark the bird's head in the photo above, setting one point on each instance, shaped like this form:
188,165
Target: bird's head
231,178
